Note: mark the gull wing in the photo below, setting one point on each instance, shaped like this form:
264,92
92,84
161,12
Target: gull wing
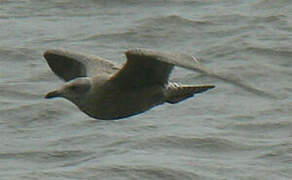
148,67
69,65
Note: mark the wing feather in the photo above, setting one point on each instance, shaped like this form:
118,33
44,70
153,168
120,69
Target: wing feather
143,68
69,65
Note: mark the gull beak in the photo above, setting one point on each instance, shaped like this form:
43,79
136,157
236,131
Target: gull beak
53,94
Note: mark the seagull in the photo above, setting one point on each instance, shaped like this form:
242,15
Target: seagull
106,91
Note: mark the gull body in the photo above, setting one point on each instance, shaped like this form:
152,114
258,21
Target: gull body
107,91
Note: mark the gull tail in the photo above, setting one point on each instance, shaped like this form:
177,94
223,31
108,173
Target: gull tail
176,93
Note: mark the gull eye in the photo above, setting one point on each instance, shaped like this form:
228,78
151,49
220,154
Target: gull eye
79,88
73,88
76,88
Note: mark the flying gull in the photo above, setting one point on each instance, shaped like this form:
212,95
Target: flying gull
107,91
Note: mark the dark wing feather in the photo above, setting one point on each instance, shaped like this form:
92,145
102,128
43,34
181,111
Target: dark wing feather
70,65
185,61
148,67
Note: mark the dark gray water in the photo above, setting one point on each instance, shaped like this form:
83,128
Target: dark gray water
226,133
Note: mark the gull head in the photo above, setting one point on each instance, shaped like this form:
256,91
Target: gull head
73,90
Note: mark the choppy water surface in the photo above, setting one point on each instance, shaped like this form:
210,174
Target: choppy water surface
226,133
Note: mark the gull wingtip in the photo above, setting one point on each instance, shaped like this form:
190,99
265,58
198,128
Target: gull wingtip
49,52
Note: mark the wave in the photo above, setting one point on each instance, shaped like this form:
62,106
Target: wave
116,36
18,53
150,28
270,51
271,4
206,144
263,126
269,18
22,114
41,156
176,20
16,92
145,172
116,171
